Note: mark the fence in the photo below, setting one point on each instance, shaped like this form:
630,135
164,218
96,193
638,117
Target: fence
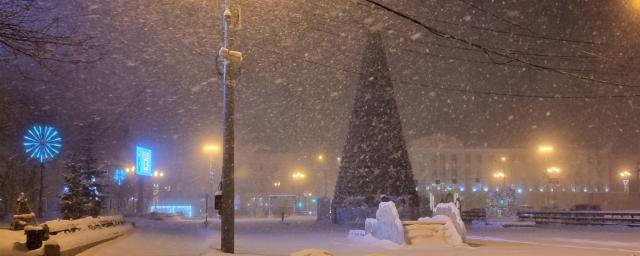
628,218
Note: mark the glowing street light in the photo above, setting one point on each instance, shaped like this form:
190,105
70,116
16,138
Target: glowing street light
553,170
276,184
625,174
503,159
635,4
320,157
211,148
298,176
545,149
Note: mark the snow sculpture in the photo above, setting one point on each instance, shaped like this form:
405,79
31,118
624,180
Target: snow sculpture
388,225
451,211
437,230
369,225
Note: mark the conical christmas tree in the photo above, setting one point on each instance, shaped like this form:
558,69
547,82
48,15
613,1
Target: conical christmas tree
375,164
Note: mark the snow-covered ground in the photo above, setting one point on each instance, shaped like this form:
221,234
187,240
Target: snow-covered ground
270,237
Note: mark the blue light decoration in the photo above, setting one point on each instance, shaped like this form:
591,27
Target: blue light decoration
314,200
42,143
300,204
186,210
119,176
143,161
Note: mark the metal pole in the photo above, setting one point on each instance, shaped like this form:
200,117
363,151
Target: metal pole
140,203
227,209
40,208
206,216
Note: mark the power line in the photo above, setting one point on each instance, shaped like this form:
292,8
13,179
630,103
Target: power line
468,60
445,87
490,53
536,35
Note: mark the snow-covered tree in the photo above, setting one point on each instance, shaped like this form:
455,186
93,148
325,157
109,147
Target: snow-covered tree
375,164
92,176
84,192
74,200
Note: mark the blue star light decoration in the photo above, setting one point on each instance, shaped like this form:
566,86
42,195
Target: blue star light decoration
119,176
42,143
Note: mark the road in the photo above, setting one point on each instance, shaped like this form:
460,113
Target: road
270,237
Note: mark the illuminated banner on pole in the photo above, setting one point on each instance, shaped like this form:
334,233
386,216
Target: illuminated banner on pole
143,161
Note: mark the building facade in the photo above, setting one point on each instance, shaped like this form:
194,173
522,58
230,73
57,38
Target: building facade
443,165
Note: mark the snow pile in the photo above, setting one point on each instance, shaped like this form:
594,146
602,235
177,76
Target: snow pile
387,225
432,231
84,223
88,238
312,252
450,210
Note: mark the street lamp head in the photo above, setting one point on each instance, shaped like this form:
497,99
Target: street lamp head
545,149
499,175
625,174
553,170
503,159
298,176
320,157
211,148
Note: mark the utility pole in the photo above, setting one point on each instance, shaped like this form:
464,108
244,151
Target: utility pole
231,22
40,197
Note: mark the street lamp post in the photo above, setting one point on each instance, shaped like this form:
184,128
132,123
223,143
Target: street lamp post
552,173
297,177
545,151
501,175
625,175
211,149
156,189
324,175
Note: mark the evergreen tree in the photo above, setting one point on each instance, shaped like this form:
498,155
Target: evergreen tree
84,194
92,175
74,200
375,164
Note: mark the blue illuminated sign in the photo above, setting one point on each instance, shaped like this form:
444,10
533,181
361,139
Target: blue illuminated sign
119,176
143,161
186,210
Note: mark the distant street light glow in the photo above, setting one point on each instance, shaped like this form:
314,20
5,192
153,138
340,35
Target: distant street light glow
211,148
298,176
635,4
553,170
625,174
545,149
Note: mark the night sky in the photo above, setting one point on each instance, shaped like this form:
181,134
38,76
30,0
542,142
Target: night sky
157,83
